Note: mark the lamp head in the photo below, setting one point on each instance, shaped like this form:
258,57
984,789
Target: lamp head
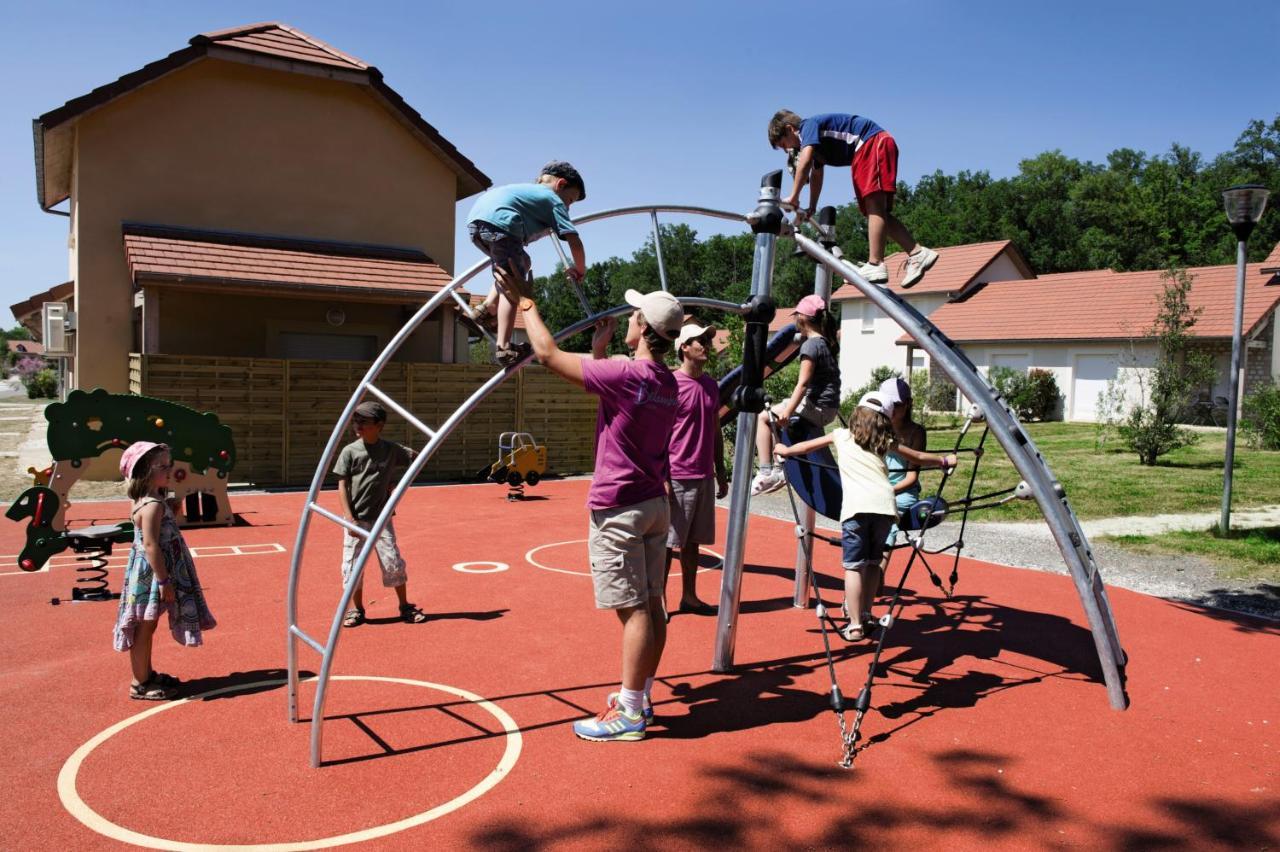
1244,204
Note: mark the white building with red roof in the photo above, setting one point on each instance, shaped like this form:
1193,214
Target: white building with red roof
868,338
1091,328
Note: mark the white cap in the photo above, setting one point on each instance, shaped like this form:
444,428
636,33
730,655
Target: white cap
661,311
691,331
894,392
873,401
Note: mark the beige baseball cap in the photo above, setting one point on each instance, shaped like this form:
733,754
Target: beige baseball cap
692,331
661,310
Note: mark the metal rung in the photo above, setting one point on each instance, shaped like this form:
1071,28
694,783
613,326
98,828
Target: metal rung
577,289
400,409
466,307
342,522
293,628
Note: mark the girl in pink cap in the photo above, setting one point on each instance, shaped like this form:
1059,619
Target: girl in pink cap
816,397
160,576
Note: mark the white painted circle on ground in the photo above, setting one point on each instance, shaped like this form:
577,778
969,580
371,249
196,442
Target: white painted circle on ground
536,564
80,810
494,567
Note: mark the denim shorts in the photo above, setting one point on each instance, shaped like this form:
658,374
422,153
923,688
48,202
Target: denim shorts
505,250
863,537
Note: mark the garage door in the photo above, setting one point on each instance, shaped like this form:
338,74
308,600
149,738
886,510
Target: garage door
1090,378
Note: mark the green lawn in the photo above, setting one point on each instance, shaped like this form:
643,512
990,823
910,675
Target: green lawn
1245,555
1113,483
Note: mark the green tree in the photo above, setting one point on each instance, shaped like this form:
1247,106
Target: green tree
1151,429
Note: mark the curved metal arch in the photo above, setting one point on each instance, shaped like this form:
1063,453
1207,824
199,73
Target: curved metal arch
437,436
1028,461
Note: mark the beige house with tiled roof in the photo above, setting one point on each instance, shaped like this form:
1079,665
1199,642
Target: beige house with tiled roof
257,193
868,338
1091,328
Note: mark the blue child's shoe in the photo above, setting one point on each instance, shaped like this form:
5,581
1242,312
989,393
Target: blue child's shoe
613,725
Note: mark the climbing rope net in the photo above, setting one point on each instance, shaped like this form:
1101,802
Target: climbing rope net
912,528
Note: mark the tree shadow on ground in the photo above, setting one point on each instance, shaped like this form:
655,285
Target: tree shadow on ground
1247,610
926,644
966,796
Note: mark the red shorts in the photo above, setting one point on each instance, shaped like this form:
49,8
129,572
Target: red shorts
875,167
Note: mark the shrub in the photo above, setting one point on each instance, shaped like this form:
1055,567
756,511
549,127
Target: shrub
878,376
935,401
43,385
1106,422
1261,421
1032,396
1150,435
939,395
1149,429
28,366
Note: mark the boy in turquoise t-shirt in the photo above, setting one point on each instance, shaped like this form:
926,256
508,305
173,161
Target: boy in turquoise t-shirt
506,219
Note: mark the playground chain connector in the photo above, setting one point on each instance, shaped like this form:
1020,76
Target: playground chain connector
767,222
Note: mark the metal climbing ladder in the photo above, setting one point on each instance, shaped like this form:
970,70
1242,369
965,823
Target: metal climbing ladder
435,436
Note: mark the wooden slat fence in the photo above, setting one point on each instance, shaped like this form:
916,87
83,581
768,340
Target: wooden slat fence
281,412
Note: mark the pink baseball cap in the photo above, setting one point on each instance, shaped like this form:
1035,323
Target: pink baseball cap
810,306
134,453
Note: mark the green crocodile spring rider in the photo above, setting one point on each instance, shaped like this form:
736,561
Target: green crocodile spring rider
91,423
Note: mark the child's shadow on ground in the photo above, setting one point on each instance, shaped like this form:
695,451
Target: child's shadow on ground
263,680
480,615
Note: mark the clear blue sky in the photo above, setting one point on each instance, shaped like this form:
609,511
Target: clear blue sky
667,102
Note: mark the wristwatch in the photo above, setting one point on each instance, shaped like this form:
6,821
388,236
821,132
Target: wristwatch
163,582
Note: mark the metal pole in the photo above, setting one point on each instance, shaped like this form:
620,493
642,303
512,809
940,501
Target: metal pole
657,249
826,225
766,221
1224,521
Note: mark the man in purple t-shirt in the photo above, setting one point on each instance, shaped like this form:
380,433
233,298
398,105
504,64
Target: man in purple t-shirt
627,499
697,463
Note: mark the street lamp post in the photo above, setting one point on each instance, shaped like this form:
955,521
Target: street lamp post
1244,204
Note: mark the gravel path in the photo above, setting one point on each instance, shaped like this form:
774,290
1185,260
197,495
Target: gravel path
1030,545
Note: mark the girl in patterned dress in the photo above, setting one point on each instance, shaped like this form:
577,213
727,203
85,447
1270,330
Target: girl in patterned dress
160,576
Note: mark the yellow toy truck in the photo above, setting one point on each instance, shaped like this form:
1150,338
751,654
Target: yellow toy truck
521,461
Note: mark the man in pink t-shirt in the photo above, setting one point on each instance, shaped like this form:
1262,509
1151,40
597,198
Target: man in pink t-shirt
697,463
627,499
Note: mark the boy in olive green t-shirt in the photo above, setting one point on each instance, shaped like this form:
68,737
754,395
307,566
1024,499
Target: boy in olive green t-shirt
366,470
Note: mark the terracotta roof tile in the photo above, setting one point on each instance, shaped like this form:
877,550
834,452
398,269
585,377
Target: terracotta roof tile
176,255
276,39
956,268
59,293
28,347
1273,259
1101,305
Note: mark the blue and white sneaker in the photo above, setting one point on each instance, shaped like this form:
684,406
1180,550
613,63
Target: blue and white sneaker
647,711
613,725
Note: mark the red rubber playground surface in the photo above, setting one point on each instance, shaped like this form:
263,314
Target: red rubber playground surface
991,727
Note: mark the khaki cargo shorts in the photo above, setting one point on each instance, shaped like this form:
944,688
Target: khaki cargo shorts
628,550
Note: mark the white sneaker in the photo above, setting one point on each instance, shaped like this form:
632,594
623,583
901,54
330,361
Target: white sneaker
766,483
918,264
875,273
